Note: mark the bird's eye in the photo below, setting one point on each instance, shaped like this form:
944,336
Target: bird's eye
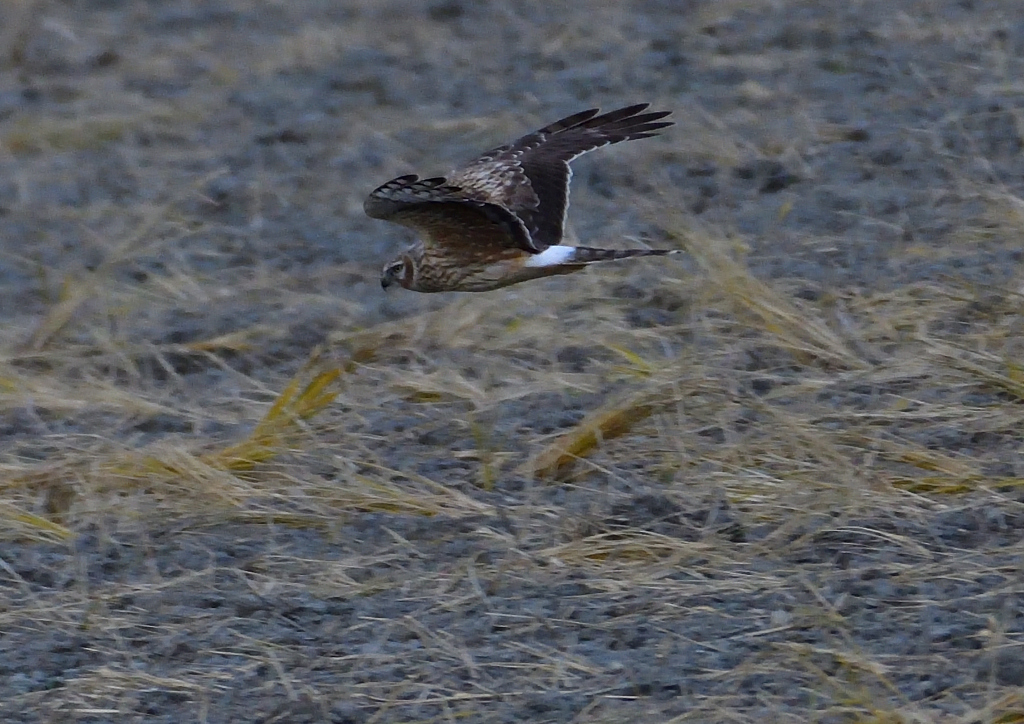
396,269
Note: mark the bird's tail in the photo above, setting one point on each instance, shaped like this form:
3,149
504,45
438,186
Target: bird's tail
588,255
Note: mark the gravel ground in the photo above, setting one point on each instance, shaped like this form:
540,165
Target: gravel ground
175,173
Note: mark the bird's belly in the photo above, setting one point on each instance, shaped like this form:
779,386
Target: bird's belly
507,273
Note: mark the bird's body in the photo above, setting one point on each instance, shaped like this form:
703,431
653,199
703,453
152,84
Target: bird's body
499,220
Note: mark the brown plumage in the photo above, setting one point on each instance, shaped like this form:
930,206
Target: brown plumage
499,219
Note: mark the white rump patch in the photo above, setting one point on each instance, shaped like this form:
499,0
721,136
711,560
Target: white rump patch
552,256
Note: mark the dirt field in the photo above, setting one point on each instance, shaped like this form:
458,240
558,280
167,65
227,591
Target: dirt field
776,479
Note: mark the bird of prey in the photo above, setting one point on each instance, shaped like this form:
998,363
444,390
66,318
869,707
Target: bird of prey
499,219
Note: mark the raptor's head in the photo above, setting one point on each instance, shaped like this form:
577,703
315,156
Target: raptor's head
398,271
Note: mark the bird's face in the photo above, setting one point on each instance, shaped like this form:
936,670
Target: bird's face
399,271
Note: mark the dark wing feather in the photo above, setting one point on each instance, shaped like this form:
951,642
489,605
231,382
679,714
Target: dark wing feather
432,205
530,176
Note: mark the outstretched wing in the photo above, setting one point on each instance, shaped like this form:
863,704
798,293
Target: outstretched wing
530,176
441,211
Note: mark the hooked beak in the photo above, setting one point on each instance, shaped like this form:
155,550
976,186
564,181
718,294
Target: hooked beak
385,282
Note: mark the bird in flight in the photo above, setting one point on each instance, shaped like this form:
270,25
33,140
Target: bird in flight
499,219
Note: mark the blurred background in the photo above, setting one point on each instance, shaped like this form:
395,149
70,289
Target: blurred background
776,477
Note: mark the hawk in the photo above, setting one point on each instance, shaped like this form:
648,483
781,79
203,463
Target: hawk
499,219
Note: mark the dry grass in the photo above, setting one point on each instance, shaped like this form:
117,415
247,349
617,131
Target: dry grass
783,411
682,417
488,457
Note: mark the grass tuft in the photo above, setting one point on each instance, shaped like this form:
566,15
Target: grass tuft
284,421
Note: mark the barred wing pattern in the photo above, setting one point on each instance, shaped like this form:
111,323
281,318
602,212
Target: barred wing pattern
522,188
435,205
530,176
